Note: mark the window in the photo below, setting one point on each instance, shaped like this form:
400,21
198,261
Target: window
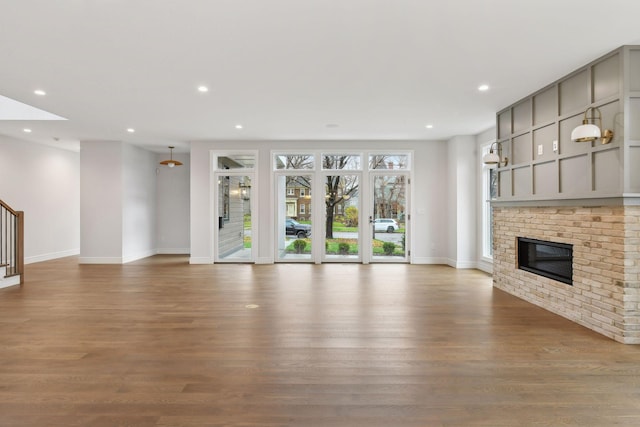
291,191
293,161
236,161
302,192
388,161
489,192
341,161
302,209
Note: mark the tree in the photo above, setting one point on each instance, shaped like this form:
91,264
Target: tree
389,193
297,162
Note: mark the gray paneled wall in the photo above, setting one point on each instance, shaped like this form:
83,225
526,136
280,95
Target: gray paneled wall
535,133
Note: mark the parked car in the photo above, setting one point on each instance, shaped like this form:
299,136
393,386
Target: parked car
385,224
294,228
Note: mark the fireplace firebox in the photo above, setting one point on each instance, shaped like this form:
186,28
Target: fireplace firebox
548,259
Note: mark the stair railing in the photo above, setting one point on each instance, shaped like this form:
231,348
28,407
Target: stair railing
12,241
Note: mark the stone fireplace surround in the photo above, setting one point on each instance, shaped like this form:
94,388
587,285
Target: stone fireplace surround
605,295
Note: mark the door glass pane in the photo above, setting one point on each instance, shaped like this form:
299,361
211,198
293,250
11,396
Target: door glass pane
293,201
342,237
234,218
389,213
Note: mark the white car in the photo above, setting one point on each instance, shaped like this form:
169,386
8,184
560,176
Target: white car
385,224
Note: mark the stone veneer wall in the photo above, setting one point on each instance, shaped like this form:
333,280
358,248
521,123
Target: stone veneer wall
605,295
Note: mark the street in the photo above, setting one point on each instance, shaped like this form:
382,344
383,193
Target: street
382,236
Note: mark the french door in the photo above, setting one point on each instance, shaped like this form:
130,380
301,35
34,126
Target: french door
388,218
294,217
342,227
234,189
234,225
341,207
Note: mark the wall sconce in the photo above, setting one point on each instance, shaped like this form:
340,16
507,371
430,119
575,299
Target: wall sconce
494,157
244,190
171,163
588,132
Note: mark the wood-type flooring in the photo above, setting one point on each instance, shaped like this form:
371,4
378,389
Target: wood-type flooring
158,342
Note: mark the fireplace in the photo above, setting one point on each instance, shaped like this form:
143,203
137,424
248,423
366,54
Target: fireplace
604,241
548,259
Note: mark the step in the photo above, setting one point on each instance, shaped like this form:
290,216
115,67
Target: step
5,282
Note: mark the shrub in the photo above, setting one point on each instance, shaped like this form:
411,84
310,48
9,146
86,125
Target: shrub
388,248
343,248
351,216
299,245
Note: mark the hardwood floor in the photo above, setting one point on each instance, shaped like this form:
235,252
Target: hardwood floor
159,342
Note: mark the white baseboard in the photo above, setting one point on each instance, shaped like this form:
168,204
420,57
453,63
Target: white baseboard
139,255
264,260
50,256
428,260
485,266
200,260
174,251
100,260
466,264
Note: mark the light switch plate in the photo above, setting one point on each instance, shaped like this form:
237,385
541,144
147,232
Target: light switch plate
555,145
540,150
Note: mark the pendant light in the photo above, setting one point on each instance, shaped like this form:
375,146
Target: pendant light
171,163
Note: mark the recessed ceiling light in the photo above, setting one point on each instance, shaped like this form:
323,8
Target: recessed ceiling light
131,130
27,130
40,92
429,126
203,89
238,126
483,88
332,125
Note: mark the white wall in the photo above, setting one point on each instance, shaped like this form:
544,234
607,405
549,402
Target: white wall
430,191
138,203
462,159
173,206
429,194
101,202
43,182
118,202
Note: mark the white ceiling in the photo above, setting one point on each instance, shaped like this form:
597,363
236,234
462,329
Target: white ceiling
290,69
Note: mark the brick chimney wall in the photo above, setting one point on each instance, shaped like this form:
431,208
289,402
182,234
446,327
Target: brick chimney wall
605,295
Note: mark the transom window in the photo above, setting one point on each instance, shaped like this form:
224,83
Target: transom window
341,161
389,161
294,161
